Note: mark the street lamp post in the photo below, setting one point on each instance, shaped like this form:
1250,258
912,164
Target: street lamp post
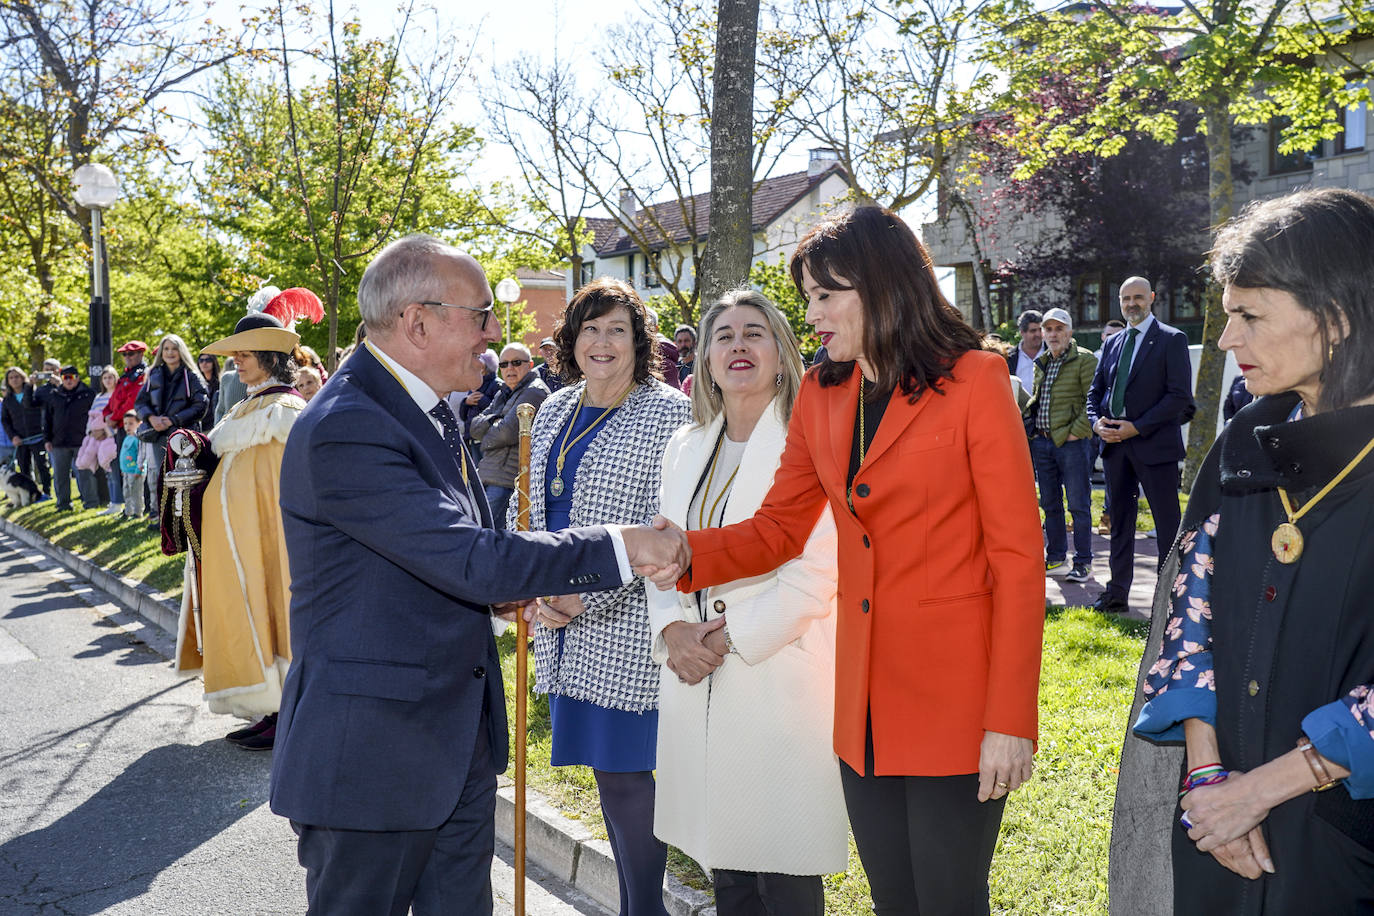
96,189
508,291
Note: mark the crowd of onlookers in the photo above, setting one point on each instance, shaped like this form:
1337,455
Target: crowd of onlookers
58,428
1125,404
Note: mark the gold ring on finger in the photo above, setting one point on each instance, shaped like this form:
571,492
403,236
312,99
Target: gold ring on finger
1003,785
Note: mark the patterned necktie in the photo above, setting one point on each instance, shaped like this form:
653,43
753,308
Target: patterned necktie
1123,369
453,439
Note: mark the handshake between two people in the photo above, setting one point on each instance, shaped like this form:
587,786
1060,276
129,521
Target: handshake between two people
658,552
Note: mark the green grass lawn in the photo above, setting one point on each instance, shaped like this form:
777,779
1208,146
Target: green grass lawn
1052,855
125,546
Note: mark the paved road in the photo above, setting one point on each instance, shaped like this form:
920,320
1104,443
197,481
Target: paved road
117,793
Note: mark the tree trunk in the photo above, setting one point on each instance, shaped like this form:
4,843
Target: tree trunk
981,292
1212,366
730,241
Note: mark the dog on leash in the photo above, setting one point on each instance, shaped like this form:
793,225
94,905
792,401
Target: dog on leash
20,488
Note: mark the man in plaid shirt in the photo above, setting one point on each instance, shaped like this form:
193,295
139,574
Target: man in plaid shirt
1061,436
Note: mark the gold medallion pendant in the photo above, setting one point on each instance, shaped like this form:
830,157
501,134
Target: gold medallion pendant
556,487
1286,543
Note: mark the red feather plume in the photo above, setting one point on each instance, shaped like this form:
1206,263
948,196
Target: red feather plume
295,303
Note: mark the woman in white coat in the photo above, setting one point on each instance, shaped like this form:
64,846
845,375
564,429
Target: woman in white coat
748,783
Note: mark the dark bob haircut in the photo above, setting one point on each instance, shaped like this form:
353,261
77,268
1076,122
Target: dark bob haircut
593,301
280,367
912,335
1316,246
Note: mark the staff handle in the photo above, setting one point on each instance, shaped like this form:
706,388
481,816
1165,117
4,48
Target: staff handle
525,414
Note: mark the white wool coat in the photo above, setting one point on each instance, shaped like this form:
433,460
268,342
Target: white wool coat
747,777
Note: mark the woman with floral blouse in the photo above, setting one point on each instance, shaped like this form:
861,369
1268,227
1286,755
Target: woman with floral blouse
1264,630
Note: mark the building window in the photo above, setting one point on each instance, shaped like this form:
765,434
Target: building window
587,273
651,265
1281,163
1354,125
630,269
1185,300
1090,302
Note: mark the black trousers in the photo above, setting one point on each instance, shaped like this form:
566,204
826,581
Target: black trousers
755,893
1126,477
32,461
439,872
926,842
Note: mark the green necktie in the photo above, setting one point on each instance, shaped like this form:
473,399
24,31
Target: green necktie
1123,369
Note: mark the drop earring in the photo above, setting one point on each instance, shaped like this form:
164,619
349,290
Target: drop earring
777,382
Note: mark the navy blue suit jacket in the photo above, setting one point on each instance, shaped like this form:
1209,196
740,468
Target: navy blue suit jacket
393,566
1159,392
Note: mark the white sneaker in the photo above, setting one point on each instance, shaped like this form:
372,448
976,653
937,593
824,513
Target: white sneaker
115,509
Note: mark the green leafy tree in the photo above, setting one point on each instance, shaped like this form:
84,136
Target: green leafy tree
80,80
320,173
775,282
1151,69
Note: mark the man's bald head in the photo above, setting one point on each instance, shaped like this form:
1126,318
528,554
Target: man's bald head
1136,299
417,268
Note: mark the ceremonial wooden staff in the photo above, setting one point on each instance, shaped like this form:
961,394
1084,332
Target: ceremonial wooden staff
525,414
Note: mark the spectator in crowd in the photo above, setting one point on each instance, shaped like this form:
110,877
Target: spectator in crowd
1236,398
173,397
596,459
748,785
995,344
7,447
667,351
685,337
231,390
1061,445
107,475
64,426
929,752
1113,327
209,370
246,585
128,386
95,459
1141,395
24,418
1262,639
313,359
308,382
467,405
548,370
1021,360
497,428
129,467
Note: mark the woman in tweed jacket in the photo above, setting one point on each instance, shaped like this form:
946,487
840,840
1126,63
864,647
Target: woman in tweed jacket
596,459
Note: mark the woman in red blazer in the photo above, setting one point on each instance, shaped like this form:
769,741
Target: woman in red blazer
911,435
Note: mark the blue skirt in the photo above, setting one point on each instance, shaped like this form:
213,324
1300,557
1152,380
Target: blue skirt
605,739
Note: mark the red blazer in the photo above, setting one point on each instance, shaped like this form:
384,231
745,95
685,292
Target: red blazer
941,566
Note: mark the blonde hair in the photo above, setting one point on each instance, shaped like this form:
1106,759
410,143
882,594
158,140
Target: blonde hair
707,401
187,359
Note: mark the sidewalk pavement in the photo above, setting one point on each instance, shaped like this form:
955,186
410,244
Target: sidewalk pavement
1076,594
564,848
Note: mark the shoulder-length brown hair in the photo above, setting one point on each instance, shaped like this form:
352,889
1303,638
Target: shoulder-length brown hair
912,335
592,301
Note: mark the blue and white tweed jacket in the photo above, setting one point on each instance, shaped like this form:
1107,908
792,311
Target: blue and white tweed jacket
606,657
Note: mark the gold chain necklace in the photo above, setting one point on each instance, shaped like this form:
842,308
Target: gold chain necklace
556,487
710,479
863,438
1286,541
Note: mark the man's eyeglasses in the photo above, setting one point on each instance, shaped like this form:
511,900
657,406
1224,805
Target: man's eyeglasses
485,313
512,362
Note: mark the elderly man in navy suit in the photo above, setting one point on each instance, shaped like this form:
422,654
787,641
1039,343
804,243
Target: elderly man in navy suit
392,727
1141,396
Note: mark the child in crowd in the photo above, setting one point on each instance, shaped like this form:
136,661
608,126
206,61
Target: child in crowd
130,468
95,458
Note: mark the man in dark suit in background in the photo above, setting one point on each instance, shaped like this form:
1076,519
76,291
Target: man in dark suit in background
1141,396
392,725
